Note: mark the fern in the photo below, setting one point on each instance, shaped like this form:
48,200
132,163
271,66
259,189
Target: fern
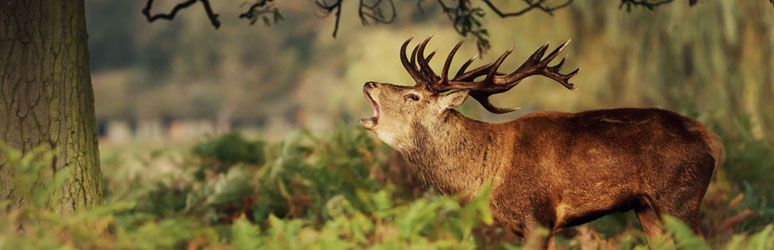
245,235
309,192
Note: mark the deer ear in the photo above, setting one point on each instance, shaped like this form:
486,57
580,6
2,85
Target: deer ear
453,99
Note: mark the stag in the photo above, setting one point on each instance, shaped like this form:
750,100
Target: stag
548,169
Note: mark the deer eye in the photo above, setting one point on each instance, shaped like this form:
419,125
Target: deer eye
413,97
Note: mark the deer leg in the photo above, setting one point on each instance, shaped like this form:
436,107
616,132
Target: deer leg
538,238
650,221
550,242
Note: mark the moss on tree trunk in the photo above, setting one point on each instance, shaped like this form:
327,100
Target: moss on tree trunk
46,96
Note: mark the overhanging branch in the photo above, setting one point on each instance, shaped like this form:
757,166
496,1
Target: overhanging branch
262,8
650,5
250,13
375,13
171,15
531,4
328,9
467,18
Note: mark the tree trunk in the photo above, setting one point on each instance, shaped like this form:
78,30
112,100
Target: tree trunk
46,97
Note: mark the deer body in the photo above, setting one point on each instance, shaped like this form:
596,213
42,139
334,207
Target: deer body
557,170
548,169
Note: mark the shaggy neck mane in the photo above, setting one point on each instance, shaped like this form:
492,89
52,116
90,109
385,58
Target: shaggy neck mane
456,155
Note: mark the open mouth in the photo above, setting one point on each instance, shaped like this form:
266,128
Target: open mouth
370,122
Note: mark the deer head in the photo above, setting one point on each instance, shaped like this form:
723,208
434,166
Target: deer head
399,109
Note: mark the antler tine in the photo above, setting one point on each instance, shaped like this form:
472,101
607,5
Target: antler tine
493,69
424,63
431,76
414,57
409,67
430,57
447,64
558,65
472,74
420,78
556,51
465,66
538,54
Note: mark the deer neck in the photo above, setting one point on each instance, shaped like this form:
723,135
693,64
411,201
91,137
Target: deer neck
455,156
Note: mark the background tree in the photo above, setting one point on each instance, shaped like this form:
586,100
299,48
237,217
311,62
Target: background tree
46,98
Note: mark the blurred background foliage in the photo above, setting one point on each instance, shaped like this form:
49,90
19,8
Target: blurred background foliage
711,59
278,172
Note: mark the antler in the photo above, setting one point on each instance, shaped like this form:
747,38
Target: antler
494,82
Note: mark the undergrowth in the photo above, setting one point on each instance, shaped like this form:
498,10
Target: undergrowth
342,191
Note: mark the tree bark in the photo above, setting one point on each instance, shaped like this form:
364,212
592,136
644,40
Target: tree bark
46,98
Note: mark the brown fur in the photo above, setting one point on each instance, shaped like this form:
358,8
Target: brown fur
554,169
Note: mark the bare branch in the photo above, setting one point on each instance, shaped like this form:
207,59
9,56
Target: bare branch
250,13
650,5
171,15
374,12
550,10
539,4
262,8
517,13
328,9
466,17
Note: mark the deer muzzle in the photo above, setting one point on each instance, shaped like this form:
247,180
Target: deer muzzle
370,122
